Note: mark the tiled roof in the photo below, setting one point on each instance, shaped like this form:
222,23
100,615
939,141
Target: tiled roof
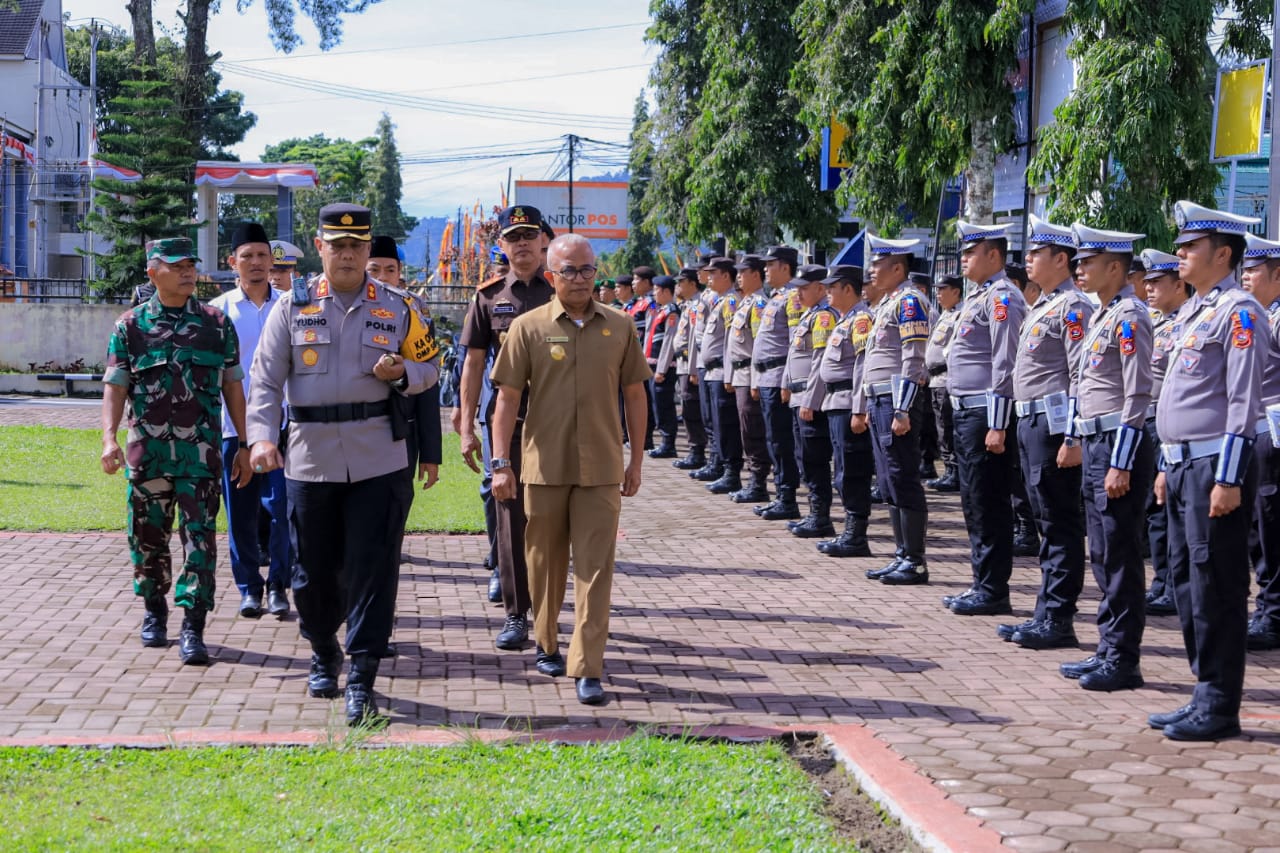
16,27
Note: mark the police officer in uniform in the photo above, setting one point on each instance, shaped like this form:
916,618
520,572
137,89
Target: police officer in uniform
336,350
498,302
1262,279
742,336
1046,375
804,391
641,309
284,264
948,294
841,370
893,375
1114,394
1208,417
1166,294
714,350
980,379
659,351
714,468
768,357
688,295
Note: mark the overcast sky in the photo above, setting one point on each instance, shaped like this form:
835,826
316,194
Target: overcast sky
581,75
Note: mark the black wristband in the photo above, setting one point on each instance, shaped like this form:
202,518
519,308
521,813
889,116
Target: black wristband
244,445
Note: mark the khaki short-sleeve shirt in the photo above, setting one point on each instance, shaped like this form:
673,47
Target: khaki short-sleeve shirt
572,434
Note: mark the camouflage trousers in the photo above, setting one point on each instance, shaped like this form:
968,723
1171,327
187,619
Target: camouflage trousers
152,504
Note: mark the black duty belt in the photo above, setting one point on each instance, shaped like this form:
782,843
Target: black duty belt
841,385
740,364
769,364
714,363
797,386
337,413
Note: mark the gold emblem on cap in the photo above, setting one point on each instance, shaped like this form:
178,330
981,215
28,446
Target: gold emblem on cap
346,219
310,357
557,352
277,252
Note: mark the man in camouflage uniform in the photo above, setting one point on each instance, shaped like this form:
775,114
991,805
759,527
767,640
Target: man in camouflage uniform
173,360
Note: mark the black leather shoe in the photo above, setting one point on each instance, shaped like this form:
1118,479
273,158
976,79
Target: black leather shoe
927,470
907,574
750,495
844,547
322,681
780,511
1159,721
514,634
695,460
251,605
590,692
1112,676
666,451
191,647
155,625
1161,605
1199,725
948,600
982,604
761,510
278,601
946,483
1263,635
1026,543
1080,668
819,528
361,709
495,588
887,569
1006,632
728,483
707,473
549,664
1048,634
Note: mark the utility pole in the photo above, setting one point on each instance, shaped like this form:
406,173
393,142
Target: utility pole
572,141
1273,184
92,147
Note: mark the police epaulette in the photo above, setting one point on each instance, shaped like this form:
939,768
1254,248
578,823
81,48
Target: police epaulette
491,282
399,291
301,292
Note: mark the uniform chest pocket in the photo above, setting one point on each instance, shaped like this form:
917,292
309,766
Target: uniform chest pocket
739,321
374,344
206,371
798,339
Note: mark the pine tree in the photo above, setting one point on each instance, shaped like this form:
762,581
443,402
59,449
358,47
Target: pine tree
146,138
382,169
642,234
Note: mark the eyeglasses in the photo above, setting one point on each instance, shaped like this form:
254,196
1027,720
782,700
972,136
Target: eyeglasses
570,273
521,235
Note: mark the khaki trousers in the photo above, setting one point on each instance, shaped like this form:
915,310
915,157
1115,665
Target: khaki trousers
582,520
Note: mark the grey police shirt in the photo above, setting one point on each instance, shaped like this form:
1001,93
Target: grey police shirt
1049,347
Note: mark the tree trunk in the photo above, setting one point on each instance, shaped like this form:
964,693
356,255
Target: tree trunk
981,174
144,36
191,95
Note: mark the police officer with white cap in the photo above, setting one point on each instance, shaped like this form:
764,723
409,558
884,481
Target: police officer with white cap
1261,277
980,378
768,357
1114,394
689,295
714,349
1046,376
742,336
893,375
1208,419
336,350
704,304
948,294
1166,294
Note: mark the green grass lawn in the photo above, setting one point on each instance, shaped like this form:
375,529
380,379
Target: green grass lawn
51,479
639,794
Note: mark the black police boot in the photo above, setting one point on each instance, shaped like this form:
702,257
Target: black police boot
784,508
1264,635
753,493
1112,676
696,459
899,552
1161,605
730,481
1201,725
1026,542
1049,634
1005,631
982,604
1078,669
666,450
948,482
361,709
326,664
191,648
927,470
713,470
913,570
818,523
155,625
852,542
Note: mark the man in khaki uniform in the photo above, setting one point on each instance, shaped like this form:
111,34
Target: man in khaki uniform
573,356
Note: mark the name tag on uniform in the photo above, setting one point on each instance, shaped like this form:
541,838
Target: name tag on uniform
504,308
557,339
1056,408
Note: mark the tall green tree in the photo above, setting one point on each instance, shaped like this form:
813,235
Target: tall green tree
642,235
1133,135
385,187
145,138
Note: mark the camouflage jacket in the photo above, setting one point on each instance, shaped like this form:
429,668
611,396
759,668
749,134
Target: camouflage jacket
172,363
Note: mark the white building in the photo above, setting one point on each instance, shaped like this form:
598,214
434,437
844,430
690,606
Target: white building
46,120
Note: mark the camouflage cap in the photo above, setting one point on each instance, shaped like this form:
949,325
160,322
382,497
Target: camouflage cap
171,250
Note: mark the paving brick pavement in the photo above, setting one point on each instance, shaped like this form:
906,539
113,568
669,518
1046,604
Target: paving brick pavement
718,618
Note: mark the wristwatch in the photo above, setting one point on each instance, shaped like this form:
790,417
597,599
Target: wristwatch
1070,442
900,415
244,445
498,464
